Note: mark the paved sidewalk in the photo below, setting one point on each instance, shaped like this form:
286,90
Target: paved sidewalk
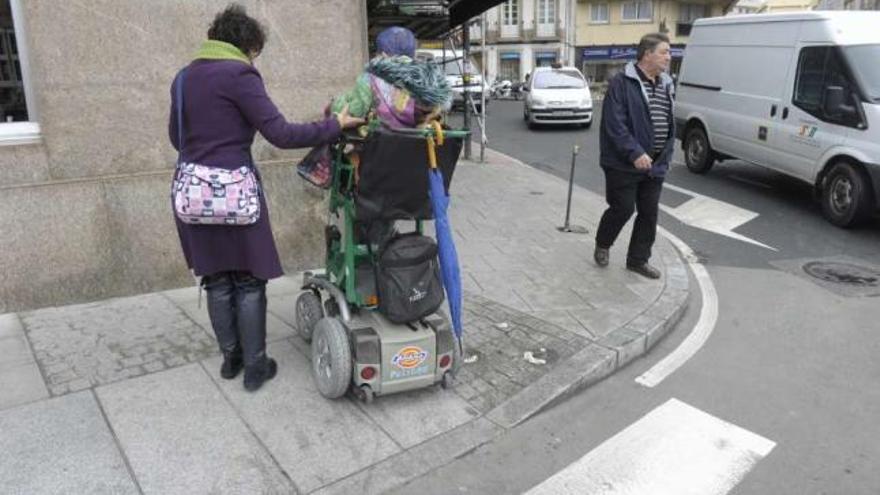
123,395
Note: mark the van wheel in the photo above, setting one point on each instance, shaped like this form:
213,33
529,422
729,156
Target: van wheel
846,196
698,156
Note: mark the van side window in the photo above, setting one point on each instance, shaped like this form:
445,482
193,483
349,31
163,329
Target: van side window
819,68
810,76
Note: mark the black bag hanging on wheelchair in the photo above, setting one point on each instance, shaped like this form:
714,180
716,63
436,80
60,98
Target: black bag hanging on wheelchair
408,278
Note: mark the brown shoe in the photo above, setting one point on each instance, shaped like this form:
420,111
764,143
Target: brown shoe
645,270
600,255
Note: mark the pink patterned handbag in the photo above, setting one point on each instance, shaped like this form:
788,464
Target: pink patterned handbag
211,195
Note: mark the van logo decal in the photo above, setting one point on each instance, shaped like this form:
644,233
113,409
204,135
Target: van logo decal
808,131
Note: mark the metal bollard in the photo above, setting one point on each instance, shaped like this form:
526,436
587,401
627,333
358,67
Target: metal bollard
567,227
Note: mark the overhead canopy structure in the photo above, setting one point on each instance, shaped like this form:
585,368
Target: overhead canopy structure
428,19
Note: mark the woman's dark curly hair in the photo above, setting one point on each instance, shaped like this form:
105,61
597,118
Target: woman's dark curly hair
234,26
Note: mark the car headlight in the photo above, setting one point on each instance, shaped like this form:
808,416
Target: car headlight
587,102
537,101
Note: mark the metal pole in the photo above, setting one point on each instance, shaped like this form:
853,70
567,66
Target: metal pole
466,52
485,58
574,153
576,229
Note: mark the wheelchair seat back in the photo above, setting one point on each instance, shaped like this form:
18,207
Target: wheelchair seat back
393,175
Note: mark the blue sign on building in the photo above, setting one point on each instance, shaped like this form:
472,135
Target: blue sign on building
621,52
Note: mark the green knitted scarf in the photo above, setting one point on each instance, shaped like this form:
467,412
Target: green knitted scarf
220,50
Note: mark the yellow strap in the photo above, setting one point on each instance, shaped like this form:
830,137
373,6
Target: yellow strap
438,132
432,153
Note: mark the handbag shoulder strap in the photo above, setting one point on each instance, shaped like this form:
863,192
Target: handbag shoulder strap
179,97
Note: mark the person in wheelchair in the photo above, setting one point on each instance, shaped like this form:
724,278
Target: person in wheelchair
395,89
396,92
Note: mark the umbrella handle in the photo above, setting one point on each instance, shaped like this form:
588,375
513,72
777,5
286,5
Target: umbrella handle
432,144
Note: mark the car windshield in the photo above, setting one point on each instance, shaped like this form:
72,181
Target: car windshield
452,67
559,79
863,61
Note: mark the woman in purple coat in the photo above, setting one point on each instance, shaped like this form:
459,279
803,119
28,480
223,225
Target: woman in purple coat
224,105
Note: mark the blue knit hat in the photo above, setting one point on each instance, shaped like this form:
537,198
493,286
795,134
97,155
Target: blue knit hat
397,41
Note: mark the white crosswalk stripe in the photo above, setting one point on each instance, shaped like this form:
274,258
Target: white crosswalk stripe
676,449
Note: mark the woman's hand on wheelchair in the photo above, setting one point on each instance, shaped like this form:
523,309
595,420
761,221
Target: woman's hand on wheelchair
346,121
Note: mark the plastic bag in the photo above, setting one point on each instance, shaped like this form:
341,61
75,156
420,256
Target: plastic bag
317,166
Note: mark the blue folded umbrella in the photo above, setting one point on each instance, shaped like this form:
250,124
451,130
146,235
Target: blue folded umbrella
446,248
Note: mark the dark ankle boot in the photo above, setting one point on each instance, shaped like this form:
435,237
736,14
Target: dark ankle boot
233,363
256,375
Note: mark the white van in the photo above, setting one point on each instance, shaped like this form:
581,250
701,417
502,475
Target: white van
798,93
462,75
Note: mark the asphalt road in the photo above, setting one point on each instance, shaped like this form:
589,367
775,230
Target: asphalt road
791,359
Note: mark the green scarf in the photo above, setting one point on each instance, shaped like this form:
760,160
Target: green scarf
220,50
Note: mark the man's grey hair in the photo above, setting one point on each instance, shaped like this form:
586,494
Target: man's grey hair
649,43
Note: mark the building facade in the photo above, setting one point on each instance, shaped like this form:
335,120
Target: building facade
848,5
522,35
85,161
608,31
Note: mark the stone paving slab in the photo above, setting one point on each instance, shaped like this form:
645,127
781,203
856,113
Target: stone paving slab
315,440
86,345
182,436
61,445
20,378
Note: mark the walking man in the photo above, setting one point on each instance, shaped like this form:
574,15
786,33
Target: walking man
636,143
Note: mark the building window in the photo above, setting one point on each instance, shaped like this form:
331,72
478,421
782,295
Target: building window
687,14
546,11
17,114
509,67
546,59
599,13
640,10
510,13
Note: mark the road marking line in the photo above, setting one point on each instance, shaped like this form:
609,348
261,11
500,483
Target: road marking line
714,215
676,449
705,324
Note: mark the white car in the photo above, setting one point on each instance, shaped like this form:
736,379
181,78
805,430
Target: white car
557,95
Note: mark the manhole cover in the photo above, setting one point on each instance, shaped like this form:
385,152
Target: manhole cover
843,273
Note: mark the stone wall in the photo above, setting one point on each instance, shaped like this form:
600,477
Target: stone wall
86,211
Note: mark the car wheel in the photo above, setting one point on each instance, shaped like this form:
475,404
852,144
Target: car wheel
846,196
698,155
525,115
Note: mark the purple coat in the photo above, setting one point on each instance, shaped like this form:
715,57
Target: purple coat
225,103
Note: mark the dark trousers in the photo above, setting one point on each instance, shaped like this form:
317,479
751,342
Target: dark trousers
627,192
237,308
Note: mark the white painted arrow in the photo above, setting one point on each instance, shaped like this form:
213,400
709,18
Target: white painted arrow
712,215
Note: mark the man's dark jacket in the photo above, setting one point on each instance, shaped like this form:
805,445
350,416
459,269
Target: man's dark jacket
627,131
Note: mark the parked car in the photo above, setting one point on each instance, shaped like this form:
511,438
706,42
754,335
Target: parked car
462,75
797,93
557,95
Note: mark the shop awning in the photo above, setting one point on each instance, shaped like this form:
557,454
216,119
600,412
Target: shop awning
434,20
